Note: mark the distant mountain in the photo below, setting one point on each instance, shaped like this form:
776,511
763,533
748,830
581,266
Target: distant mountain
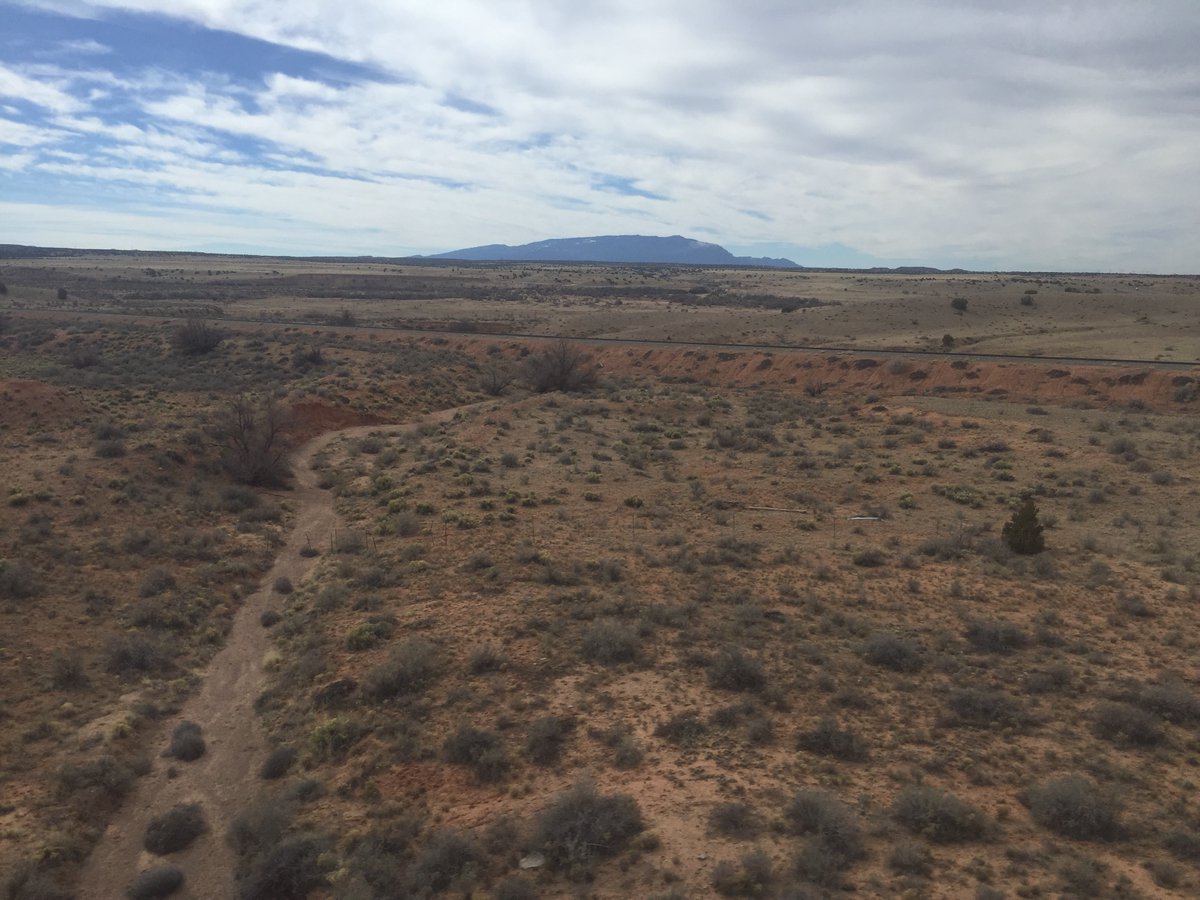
616,248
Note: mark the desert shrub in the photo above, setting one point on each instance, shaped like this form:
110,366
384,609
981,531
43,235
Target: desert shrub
175,829
827,739
734,819
283,585
161,881
1127,725
410,669
908,858
1172,701
937,816
17,581
367,634
187,743
277,764
683,729
610,641
514,888
112,448
959,304
982,708
305,358
96,786
1075,807
1051,679
735,670
581,826
488,658
626,753
996,637
196,337
260,826
448,858
819,863
893,651
157,580
1183,844
820,813
1023,532
546,738
870,558
148,652
287,871
482,750
67,672
562,366
270,618
332,739
751,877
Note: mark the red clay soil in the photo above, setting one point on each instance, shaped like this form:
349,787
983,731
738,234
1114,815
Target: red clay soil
884,373
312,417
25,404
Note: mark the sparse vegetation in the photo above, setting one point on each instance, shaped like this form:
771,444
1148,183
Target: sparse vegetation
713,577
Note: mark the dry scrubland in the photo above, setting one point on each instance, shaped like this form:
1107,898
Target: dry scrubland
557,629
1123,316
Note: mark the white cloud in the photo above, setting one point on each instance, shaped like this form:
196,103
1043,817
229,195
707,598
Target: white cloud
1031,134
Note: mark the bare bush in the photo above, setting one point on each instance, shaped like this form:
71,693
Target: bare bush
252,437
563,366
196,337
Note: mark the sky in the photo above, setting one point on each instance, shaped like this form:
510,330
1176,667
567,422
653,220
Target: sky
1023,135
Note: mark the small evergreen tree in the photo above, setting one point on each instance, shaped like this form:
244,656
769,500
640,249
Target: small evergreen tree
1023,532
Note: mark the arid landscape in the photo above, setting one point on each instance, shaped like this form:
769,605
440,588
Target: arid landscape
581,582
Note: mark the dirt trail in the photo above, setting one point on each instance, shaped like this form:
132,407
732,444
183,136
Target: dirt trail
226,777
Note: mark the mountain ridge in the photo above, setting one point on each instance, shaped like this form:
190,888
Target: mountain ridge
615,248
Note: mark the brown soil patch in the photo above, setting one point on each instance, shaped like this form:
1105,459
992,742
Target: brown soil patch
32,404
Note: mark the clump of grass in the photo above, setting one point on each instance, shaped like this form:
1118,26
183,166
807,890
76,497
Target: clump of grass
175,829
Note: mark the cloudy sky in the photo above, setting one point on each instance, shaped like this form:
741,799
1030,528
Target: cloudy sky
1028,134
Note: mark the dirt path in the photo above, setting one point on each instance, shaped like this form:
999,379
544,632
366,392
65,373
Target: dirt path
226,777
